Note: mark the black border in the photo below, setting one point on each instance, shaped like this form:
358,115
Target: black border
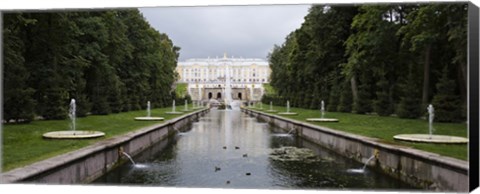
473,121
1,93
473,88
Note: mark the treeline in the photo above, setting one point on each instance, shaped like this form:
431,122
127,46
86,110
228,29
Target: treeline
109,61
384,59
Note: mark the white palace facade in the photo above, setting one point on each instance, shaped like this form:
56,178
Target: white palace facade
206,77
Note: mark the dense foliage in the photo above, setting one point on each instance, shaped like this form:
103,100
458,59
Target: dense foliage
109,61
384,59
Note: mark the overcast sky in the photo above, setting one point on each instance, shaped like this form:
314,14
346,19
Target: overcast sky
241,31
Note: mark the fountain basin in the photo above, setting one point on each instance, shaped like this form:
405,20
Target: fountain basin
73,134
322,120
174,113
271,111
426,138
149,118
287,113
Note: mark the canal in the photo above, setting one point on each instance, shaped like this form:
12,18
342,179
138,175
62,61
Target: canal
229,149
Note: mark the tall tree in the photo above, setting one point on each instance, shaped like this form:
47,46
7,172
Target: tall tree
109,61
47,56
446,102
422,31
118,49
372,54
18,103
457,37
410,102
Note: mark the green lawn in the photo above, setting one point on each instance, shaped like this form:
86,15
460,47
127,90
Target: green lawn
23,143
181,89
384,128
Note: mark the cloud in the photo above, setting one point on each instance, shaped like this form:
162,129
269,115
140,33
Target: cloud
242,31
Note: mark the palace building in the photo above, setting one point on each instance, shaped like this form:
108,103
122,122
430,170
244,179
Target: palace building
206,77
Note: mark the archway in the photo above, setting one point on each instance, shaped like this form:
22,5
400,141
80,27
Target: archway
219,95
210,95
240,95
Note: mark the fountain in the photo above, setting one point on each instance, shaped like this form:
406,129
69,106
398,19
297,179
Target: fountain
174,112
431,115
73,133
185,109
288,110
361,170
322,119
131,159
149,117
228,89
430,138
190,160
322,109
271,108
291,130
196,105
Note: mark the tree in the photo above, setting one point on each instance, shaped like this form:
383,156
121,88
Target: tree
410,104
383,104
372,50
346,98
333,100
446,102
89,56
118,49
305,67
423,30
48,53
457,37
18,103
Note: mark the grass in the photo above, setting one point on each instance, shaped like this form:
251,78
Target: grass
384,128
23,143
269,90
181,89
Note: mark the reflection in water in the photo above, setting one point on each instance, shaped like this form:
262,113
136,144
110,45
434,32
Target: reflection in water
228,149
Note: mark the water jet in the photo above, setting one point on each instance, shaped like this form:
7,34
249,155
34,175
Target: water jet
174,112
288,110
322,119
149,117
73,133
430,138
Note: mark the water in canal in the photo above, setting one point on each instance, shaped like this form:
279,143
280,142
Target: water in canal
229,149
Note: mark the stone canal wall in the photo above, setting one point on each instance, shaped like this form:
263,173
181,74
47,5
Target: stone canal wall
89,163
418,168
